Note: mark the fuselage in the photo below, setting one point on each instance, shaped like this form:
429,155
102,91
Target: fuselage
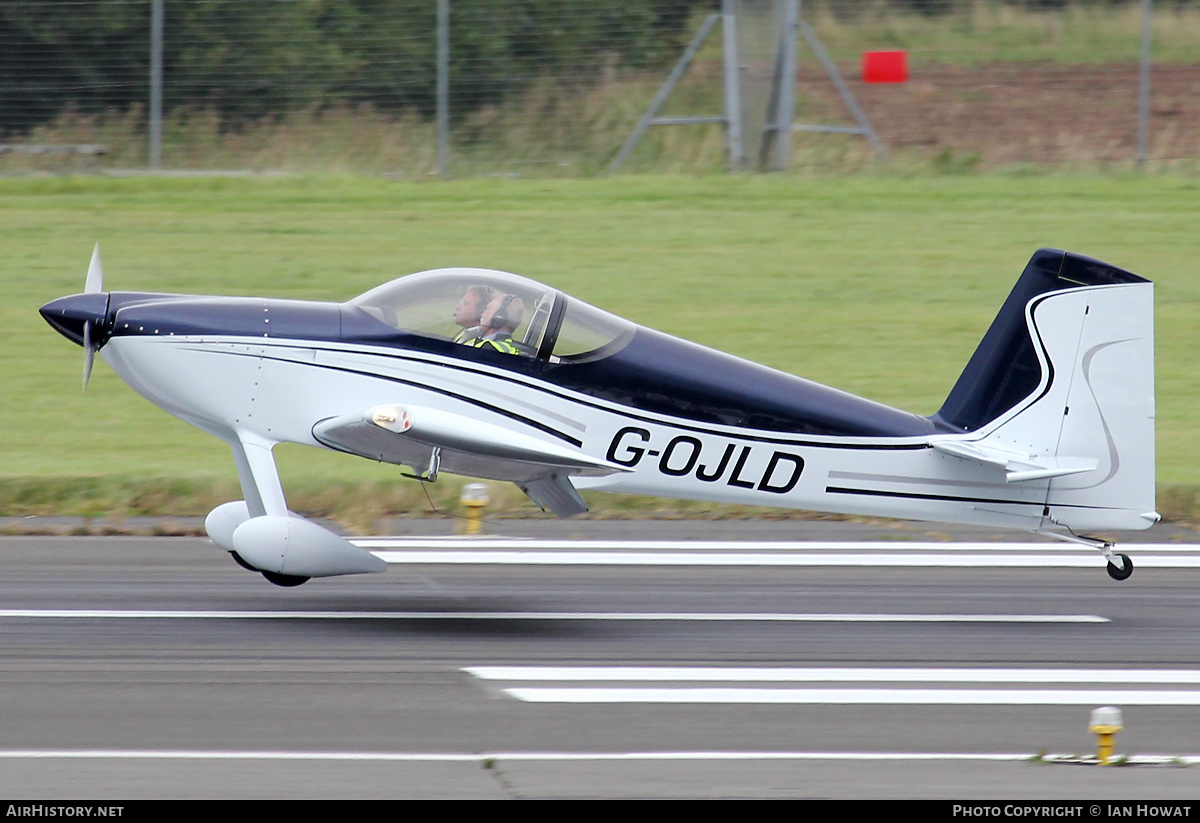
689,422
677,418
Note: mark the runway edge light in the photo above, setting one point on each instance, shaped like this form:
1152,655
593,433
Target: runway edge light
474,498
1105,723
885,67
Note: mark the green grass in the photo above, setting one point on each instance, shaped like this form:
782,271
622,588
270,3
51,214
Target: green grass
878,284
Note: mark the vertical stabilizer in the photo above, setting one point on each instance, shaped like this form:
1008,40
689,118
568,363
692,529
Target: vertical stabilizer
1061,391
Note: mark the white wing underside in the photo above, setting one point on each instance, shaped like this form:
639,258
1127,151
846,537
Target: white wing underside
430,440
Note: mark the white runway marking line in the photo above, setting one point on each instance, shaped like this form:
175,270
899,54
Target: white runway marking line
831,694
879,697
528,551
826,675
528,757
709,617
486,542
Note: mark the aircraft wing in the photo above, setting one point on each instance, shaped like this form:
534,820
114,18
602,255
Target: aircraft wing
431,440
1017,466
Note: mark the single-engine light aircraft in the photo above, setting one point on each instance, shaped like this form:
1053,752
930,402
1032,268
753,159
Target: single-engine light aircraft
1050,427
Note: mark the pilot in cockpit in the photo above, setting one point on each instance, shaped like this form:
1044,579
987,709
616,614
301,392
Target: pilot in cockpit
498,322
469,311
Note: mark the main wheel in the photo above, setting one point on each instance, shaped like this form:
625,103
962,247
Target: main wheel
1123,572
285,580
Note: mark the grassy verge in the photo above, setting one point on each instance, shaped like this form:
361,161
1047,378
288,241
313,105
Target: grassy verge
878,284
361,507
369,508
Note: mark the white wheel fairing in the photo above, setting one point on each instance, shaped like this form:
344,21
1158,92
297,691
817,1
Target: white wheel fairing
223,521
297,547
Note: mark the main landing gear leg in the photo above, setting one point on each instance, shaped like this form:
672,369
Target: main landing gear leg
264,495
1120,567
263,535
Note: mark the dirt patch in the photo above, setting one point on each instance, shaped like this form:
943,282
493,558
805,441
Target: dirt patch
1019,113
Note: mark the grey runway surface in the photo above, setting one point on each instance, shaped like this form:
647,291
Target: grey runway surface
155,667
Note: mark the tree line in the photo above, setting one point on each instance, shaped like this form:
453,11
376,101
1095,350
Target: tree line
249,59
253,58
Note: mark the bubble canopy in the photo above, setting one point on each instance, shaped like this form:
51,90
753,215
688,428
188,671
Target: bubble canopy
546,324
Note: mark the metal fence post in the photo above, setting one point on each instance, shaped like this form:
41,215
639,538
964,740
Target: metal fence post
1143,126
443,87
733,98
156,82
783,96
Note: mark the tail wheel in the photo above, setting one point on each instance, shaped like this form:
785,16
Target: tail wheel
1122,572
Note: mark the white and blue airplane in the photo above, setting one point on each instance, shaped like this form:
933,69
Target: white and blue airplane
1049,429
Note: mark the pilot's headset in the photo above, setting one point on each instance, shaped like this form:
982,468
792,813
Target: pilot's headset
500,318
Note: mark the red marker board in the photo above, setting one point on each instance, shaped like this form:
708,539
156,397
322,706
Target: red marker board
884,66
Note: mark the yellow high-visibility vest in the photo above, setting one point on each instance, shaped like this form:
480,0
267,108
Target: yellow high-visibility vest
505,345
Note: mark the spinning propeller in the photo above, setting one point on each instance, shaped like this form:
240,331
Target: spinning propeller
94,284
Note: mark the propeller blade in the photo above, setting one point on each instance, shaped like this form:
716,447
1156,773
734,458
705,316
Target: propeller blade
95,276
89,354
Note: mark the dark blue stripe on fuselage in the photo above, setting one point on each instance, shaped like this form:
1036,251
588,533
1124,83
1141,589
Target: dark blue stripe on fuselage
143,314
661,374
653,372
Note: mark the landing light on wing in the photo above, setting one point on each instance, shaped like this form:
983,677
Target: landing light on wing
392,418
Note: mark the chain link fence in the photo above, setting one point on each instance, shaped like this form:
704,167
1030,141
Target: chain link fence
536,87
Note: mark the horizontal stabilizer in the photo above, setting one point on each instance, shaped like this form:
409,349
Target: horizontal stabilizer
1016,465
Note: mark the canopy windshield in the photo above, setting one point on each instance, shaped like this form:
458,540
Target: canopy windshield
451,303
